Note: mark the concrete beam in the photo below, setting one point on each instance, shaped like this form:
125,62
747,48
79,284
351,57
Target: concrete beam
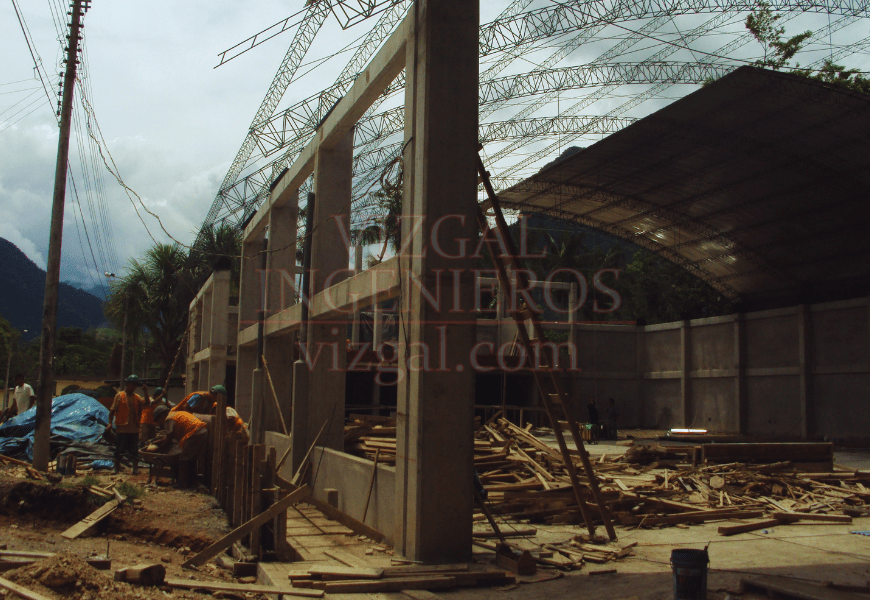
377,76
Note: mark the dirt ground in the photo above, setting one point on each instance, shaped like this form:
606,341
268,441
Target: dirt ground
162,526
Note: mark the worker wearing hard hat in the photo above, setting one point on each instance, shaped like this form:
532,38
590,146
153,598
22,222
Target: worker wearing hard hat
202,403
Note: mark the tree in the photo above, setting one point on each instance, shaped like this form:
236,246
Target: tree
839,75
777,51
659,291
217,247
160,289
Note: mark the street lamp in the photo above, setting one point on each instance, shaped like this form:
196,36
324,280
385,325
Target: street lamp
124,330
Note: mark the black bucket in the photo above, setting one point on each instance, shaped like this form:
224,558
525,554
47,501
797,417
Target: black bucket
690,574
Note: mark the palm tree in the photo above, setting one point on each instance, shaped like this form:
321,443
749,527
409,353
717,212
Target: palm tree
218,246
160,290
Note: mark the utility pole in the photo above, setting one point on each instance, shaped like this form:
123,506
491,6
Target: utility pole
45,386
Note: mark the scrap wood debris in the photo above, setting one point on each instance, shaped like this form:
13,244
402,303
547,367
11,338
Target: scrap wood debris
650,485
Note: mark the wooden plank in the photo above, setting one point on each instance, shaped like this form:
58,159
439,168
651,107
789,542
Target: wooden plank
747,527
769,452
217,453
91,520
101,564
347,559
371,484
21,590
422,594
791,516
700,518
435,582
346,520
241,531
331,573
221,586
409,570
514,533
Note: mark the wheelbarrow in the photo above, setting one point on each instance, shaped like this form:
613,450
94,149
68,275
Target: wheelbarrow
161,465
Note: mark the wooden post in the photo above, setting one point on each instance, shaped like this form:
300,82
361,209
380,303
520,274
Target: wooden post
270,497
256,494
238,483
246,484
217,454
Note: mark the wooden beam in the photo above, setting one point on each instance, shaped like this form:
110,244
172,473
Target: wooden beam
746,527
220,586
91,520
244,529
21,590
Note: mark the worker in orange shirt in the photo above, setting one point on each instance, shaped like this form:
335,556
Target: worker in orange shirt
190,433
126,412
202,403
147,427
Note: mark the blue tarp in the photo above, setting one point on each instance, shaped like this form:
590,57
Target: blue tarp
74,418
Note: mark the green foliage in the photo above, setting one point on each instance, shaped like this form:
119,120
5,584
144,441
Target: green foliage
81,352
25,356
651,288
659,291
387,202
89,480
839,75
130,491
777,51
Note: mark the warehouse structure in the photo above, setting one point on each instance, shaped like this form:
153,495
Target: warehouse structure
756,183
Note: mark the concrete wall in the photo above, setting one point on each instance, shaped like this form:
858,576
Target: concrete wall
790,373
349,475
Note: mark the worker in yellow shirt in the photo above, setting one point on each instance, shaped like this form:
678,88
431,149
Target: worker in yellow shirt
126,412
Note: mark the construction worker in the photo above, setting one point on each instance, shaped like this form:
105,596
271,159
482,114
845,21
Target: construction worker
202,403
147,427
236,428
126,411
191,435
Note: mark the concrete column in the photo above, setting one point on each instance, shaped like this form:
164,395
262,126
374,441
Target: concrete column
246,362
220,313
358,268
281,262
250,302
250,288
327,340
191,349
258,429
435,401
685,340
641,368
206,319
805,326
740,373
280,289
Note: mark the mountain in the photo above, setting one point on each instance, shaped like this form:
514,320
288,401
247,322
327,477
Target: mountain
22,293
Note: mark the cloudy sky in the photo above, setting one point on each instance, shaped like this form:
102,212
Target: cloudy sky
171,121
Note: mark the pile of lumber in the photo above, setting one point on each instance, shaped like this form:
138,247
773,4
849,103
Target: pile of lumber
648,485
365,435
349,580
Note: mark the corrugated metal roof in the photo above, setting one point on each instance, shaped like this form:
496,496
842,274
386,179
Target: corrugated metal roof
758,183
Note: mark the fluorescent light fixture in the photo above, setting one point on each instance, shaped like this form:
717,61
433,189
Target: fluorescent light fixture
688,431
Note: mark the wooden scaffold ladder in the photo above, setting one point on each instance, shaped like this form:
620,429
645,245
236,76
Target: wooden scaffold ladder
505,257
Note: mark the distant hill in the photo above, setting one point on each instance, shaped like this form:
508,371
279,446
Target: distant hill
21,296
